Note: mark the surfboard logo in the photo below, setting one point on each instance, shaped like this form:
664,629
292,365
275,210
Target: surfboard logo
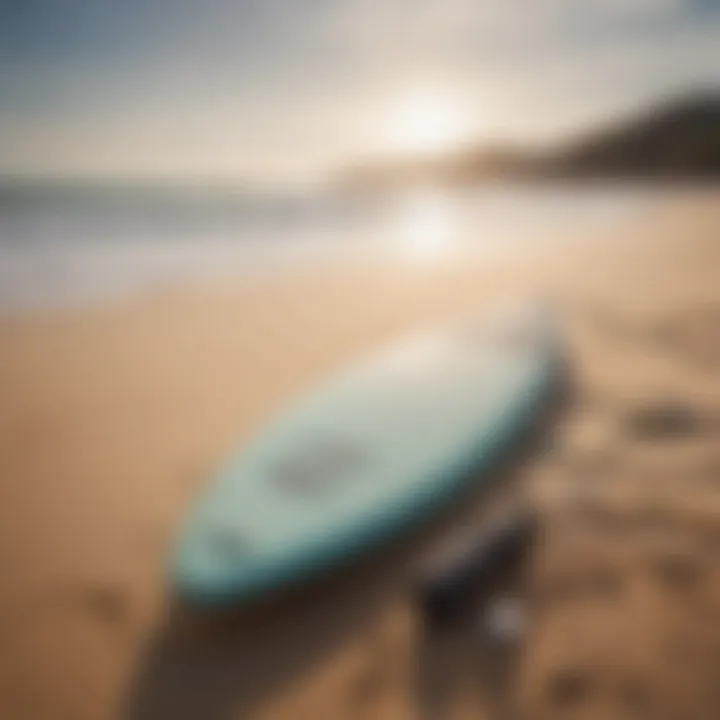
318,466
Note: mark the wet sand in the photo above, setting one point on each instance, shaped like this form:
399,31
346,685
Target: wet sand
112,417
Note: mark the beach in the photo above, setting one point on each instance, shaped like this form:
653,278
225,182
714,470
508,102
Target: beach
114,414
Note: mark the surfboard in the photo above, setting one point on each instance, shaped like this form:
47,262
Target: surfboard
377,449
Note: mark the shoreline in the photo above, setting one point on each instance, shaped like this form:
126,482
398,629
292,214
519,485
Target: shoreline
67,279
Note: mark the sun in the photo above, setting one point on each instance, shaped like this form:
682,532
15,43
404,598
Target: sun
426,122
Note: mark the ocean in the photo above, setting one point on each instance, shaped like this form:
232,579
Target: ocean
70,243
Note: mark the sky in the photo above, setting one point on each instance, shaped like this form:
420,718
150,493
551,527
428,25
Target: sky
283,89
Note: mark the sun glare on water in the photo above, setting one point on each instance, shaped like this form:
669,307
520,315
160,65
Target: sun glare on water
425,225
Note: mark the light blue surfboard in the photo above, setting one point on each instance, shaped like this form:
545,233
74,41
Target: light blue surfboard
376,450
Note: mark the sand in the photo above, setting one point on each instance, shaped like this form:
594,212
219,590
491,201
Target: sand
112,417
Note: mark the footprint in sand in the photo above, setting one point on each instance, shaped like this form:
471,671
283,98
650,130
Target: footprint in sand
676,569
569,687
107,603
693,333
635,696
604,582
367,687
663,420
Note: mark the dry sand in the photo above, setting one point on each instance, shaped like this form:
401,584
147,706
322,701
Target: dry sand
112,417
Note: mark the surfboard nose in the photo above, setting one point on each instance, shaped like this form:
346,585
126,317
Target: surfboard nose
210,561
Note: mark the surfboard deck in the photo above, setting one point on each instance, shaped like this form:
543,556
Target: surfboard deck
376,450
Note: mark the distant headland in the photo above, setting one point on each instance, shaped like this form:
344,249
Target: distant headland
676,140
